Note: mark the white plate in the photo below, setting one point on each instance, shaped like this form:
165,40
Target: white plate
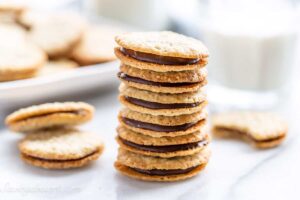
69,82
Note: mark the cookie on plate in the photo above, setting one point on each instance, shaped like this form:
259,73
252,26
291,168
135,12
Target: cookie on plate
49,115
60,148
57,66
149,168
165,147
263,130
96,45
19,58
58,35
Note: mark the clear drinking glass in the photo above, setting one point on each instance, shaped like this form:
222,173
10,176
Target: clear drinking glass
252,46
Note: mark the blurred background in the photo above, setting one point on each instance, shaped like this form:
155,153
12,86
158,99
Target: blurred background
254,47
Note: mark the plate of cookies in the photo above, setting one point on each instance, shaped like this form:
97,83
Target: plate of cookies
41,51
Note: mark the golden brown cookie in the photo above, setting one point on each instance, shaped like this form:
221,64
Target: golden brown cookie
49,115
21,62
160,169
161,109
127,60
170,88
263,130
57,66
155,130
165,147
191,76
96,45
163,43
163,120
59,34
164,98
60,148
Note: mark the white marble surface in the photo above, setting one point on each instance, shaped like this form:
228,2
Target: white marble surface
236,171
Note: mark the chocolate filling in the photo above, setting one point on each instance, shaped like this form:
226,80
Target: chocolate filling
163,172
155,127
236,132
165,149
126,77
154,105
78,112
162,60
57,161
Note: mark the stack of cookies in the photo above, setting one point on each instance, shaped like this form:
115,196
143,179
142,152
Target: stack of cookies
51,140
162,133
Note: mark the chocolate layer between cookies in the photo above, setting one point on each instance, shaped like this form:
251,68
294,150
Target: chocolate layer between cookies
163,60
154,105
126,77
164,172
164,149
156,127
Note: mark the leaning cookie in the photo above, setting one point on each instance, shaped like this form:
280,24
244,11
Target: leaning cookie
164,147
263,130
150,168
49,115
60,148
58,34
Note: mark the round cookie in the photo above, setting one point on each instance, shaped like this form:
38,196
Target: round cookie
58,35
96,45
263,130
21,62
57,66
127,171
187,98
162,111
155,130
165,147
191,76
163,43
60,148
163,120
169,88
49,115
160,169
127,60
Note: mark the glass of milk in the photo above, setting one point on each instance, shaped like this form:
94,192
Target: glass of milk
252,46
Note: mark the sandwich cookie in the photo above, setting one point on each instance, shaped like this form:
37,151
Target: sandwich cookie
165,147
60,148
130,61
262,130
149,168
157,130
162,87
162,48
162,104
49,115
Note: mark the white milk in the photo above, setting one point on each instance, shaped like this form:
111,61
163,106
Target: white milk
251,51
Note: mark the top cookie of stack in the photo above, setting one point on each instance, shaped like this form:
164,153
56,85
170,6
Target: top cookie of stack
162,61
162,133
